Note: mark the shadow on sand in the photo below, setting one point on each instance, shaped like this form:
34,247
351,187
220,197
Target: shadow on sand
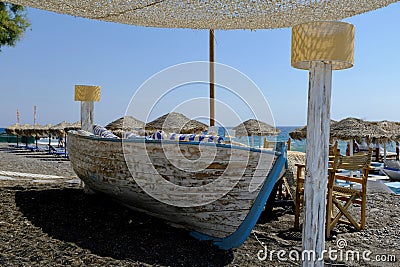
108,229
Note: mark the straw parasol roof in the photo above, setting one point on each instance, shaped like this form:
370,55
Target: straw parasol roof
301,133
126,123
33,130
63,127
348,129
12,129
243,14
176,122
255,127
392,128
359,130
19,129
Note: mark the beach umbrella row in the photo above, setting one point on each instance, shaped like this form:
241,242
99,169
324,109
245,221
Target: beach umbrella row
37,130
170,122
179,123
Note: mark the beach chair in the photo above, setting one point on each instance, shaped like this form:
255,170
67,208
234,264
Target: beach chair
300,175
341,197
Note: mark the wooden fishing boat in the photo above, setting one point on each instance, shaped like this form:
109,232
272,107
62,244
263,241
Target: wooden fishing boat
392,169
217,191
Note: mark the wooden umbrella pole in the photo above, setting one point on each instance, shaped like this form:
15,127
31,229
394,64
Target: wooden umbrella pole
212,100
384,151
317,151
49,143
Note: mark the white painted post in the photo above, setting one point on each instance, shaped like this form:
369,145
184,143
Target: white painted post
317,151
87,94
87,115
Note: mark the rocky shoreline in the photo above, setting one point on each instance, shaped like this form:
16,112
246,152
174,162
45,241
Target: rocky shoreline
50,221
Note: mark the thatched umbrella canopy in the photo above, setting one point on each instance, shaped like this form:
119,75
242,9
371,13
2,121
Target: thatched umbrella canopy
63,127
301,133
73,126
126,123
12,129
359,130
176,122
244,14
21,129
392,128
349,129
36,130
255,127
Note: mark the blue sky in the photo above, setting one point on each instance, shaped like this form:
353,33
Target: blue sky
60,51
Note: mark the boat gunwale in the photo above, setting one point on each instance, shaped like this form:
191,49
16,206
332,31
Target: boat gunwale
275,152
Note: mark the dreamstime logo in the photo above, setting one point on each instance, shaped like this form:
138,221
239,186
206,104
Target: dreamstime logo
188,174
340,254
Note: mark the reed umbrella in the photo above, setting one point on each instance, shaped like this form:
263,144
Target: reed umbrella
254,127
231,14
73,126
393,130
33,130
301,132
176,122
348,129
359,130
38,131
20,129
126,123
11,130
61,128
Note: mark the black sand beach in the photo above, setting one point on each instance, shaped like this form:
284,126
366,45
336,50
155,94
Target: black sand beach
50,221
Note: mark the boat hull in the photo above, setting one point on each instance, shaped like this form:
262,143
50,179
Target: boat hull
393,175
212,190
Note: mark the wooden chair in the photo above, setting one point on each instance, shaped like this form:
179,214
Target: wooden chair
299,195
340,198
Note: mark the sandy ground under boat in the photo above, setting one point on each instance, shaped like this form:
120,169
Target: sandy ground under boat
47,220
